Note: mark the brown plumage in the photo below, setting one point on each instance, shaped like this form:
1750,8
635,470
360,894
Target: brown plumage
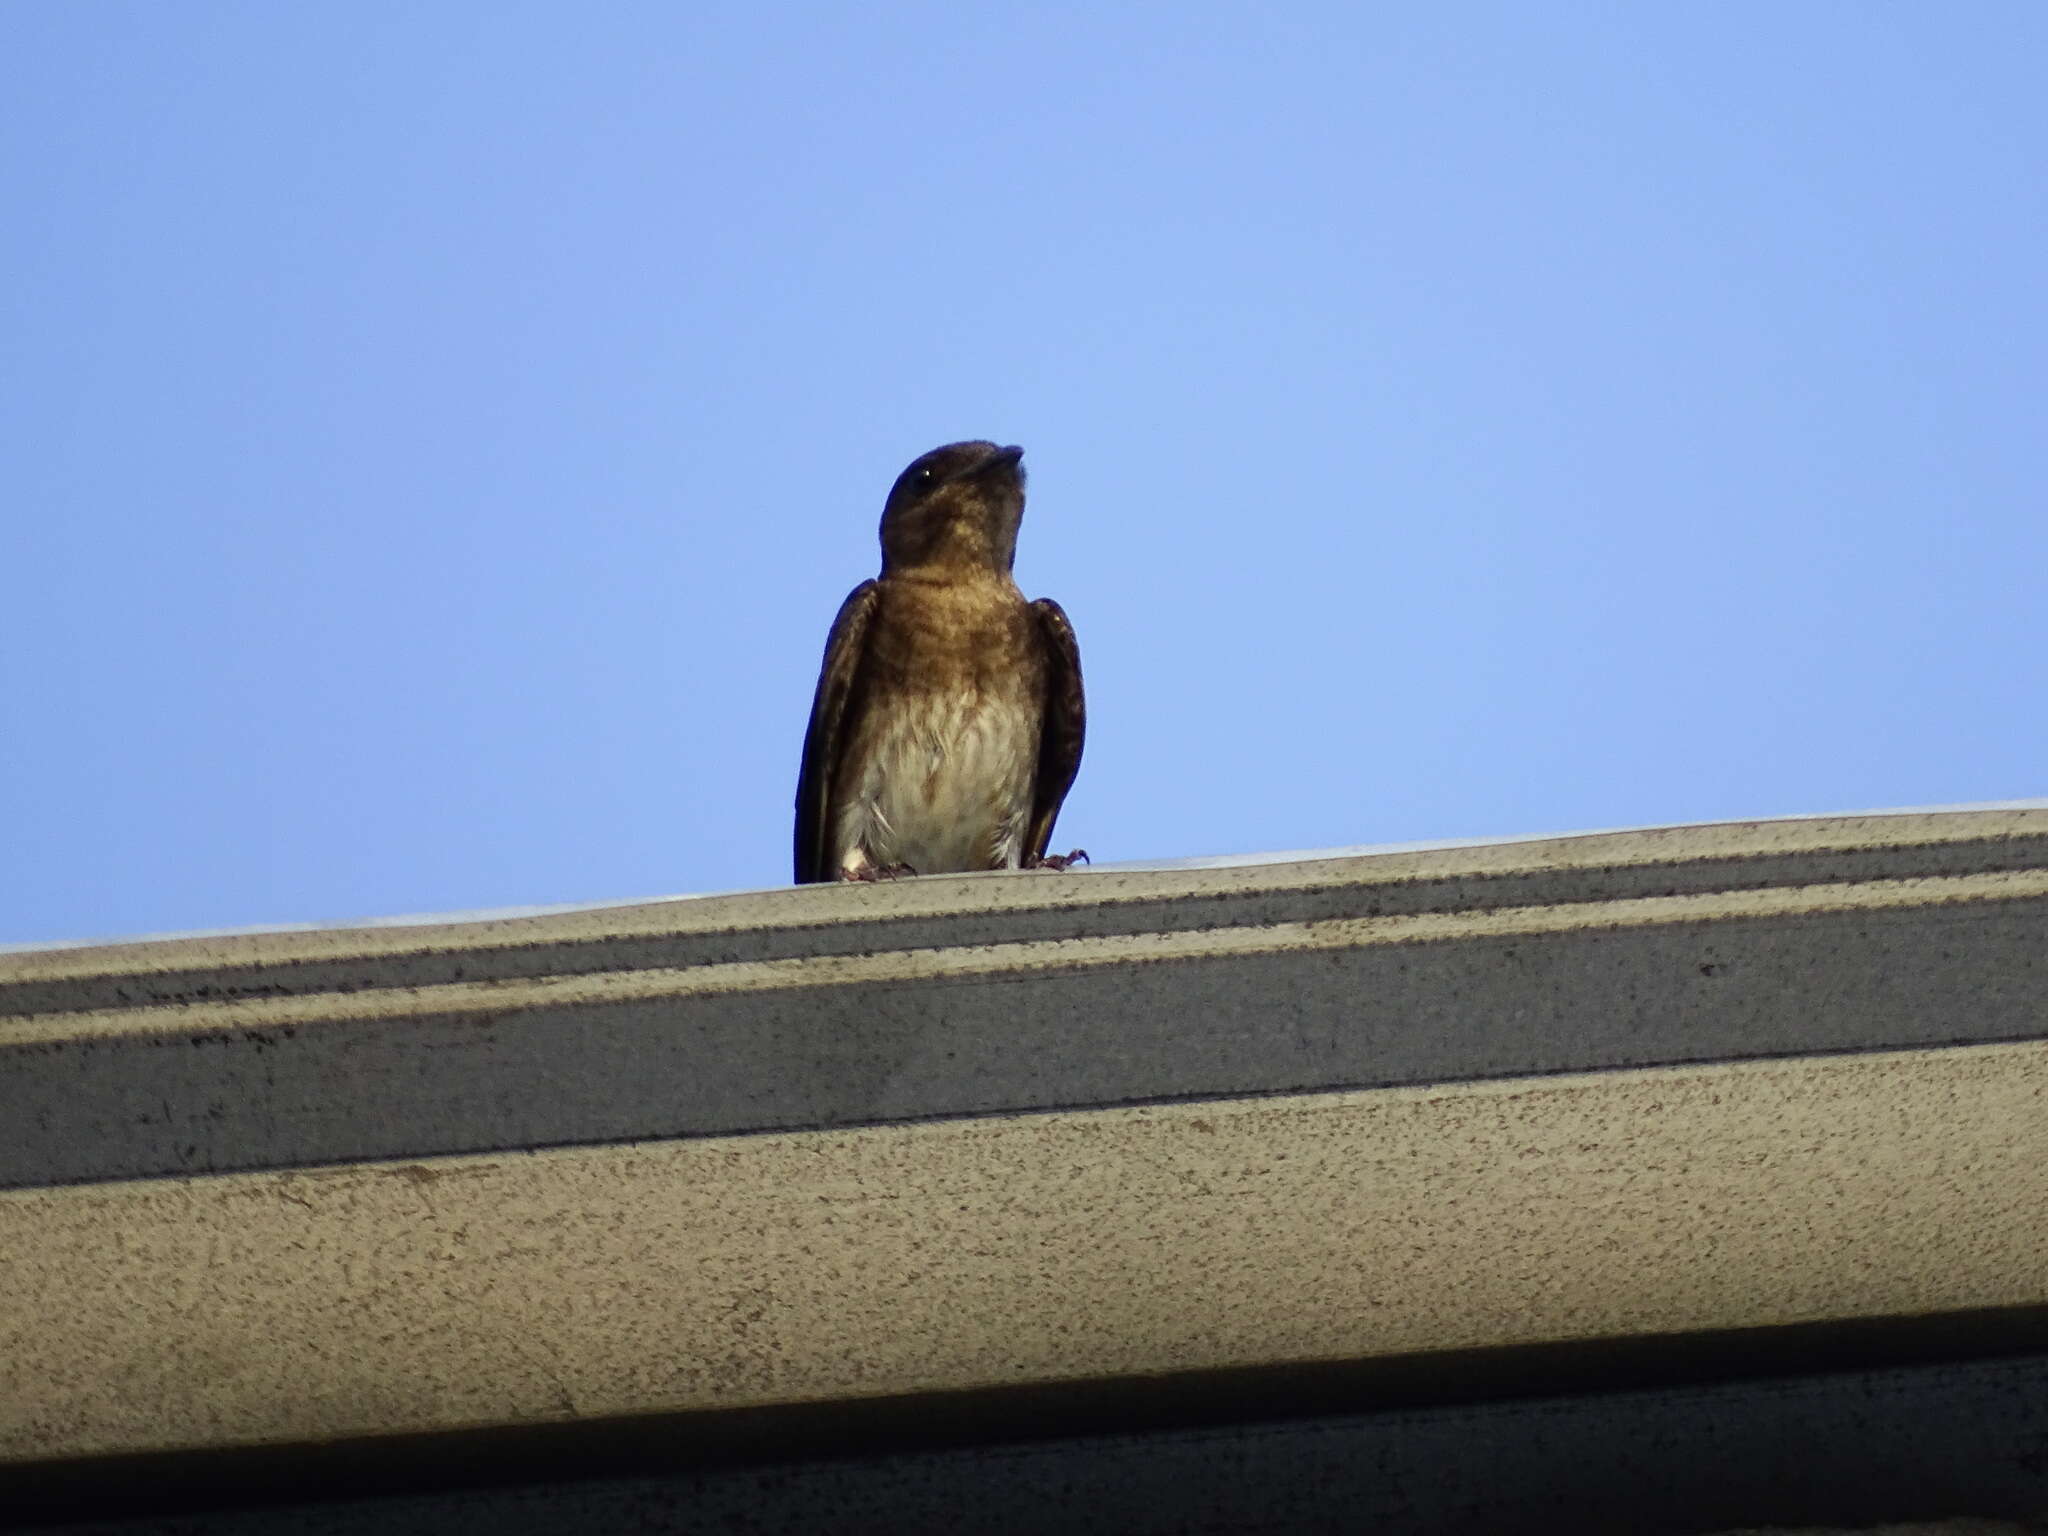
948,720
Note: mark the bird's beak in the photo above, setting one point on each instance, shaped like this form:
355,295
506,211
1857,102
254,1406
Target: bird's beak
1006,457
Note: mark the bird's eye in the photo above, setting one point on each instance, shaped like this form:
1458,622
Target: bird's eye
926,475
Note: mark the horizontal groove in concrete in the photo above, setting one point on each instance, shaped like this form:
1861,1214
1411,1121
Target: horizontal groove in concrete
1770,952
965,1031
983,909
725,1273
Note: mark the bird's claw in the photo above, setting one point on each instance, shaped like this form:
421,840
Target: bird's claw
1059,861
868,874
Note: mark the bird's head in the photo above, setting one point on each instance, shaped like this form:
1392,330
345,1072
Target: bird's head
959,505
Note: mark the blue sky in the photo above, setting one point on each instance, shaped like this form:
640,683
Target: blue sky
436,438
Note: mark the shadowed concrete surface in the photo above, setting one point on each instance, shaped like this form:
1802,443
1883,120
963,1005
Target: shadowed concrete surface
1860,1447
1441,1129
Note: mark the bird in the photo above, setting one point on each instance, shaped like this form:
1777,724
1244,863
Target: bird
947,725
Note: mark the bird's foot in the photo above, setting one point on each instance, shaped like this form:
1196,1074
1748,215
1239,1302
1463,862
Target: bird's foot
867,874
1059,861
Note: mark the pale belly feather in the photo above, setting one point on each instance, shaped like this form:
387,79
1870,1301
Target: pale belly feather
942,785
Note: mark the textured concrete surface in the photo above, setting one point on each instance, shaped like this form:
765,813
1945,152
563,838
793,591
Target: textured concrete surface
725,1272
826,1007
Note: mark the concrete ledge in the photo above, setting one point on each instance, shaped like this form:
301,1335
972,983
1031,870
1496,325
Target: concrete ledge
818,1008
961,1137
729,1272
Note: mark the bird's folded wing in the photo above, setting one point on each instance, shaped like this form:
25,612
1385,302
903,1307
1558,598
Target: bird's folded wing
1066,719
825,737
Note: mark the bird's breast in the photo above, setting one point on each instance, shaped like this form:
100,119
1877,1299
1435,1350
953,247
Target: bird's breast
941,767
